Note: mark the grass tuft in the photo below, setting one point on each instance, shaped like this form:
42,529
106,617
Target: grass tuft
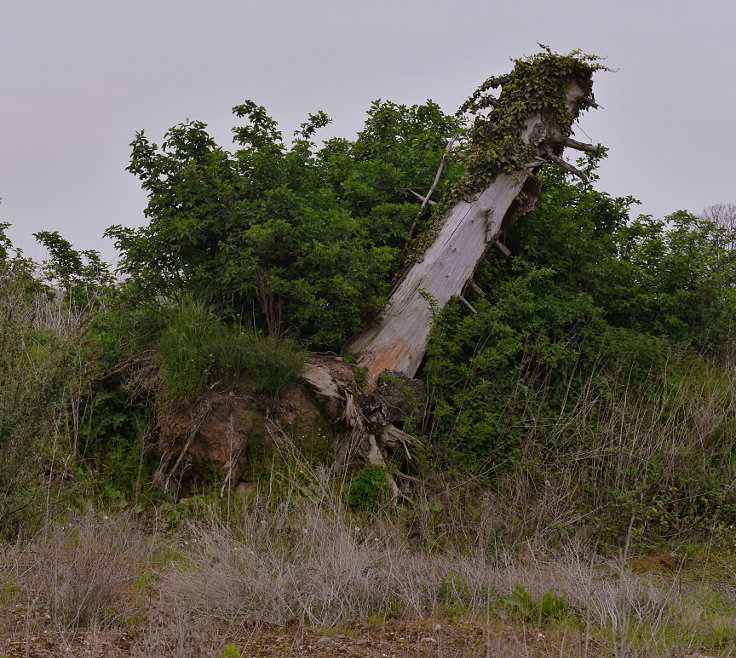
196,346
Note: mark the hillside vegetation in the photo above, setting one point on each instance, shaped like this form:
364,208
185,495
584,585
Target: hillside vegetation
575,460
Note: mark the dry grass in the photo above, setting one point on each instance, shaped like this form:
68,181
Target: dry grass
83,572
309,563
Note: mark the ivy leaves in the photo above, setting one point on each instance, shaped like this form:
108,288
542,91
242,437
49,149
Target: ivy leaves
536,83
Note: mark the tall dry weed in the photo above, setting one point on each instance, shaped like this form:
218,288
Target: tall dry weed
85,572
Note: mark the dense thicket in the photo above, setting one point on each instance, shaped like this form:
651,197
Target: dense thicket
597,365
291,237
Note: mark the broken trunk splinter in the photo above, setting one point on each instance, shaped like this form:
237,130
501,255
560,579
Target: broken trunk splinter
502,248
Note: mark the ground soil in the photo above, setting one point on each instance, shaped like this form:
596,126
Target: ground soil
23,636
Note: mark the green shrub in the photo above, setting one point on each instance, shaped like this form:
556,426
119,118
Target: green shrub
230,651
368,488
522,604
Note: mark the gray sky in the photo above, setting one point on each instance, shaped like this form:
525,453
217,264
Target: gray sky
79,77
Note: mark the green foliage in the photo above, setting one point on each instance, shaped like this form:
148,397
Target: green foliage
523,605
453,594
369,488
302,237
593,367
81,275
186,350
195,345
114,438
536,84
5,243
230,651
44,369
596,316
666,277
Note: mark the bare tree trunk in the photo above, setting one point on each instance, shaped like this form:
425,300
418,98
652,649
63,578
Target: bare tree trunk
398,340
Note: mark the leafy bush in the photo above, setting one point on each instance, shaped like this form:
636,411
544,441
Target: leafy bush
303,237
602,334
368,488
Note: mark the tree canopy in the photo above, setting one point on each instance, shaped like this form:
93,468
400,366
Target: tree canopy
300,238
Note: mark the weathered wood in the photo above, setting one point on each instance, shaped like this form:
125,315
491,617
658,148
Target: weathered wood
397,341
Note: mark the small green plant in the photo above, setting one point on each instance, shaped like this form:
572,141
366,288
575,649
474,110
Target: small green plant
360,376
230,651
450,593
368,488
550,607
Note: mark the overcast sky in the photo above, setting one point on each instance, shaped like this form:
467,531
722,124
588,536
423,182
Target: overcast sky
79,77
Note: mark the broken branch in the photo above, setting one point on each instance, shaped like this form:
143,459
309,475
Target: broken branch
423,199
567,166
503,248
477,288
581,146
467,303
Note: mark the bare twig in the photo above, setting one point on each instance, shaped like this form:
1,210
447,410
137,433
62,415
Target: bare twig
440,169
427,198
423,199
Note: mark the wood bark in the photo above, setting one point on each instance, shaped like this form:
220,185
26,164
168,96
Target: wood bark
397,341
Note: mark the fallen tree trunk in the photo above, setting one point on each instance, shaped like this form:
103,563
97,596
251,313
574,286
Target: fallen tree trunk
397,341
553,89
529,126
